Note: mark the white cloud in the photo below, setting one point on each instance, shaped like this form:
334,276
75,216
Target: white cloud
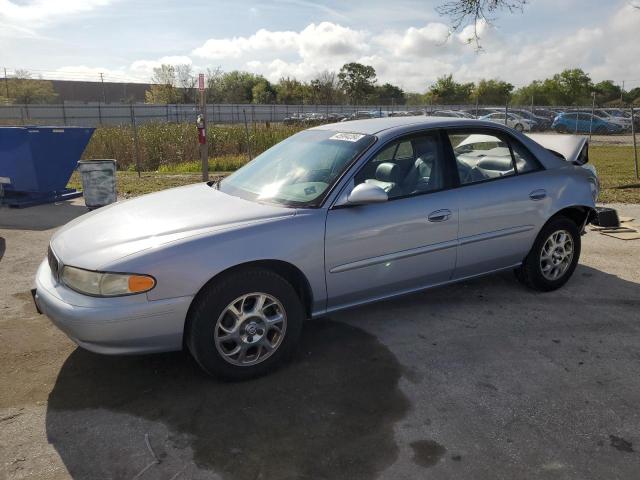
41,12
414,56
325,39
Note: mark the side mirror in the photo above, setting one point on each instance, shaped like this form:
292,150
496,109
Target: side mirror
365,193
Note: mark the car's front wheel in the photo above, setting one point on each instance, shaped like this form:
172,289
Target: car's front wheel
245,324
519,127
554,256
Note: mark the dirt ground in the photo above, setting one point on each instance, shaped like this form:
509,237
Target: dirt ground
482,380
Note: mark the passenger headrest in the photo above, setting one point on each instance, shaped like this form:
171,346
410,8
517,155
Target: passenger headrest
388,172
500,164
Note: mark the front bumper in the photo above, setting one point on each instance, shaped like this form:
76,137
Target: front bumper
117,325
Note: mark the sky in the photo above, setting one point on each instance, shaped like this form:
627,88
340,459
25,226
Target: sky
407,41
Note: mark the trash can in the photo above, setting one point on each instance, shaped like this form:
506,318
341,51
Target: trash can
98,182
37,162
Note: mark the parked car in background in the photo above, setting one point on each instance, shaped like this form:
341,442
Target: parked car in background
407,113
333,217
481,111
545,113
512,120
365,114
451,114
621,119
582,122
540,123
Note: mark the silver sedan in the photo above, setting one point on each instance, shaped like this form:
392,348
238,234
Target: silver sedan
335,216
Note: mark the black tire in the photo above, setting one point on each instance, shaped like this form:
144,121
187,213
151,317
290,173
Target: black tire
209,306
530,272
519,127
561,129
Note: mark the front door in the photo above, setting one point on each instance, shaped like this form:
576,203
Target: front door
406,243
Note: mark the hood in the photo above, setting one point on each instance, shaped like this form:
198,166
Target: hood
569,147
115,231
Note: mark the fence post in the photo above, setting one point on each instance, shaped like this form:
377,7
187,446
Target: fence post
633,133
246,131
506,113
99,113
135,138
64,113
593,111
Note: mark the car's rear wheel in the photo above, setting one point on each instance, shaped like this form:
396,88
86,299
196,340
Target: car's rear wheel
553,257
519,127
245,325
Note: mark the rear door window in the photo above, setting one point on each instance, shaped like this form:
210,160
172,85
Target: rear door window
482,155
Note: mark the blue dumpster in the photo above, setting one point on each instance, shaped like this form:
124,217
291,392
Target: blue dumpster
37,162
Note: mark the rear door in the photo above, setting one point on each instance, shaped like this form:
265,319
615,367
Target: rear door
502,199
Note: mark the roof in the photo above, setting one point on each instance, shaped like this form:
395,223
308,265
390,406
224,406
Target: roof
372,126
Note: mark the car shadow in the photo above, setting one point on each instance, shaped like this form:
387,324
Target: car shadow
331,412
321,416
41,217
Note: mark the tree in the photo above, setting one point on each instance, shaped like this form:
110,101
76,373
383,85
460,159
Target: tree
607,91
446,91
413,98
236,87
164,88
357,81
186,81
262,92
539,92
569,87
388,94
474,12
324,89
492,92
290,91
24,89
575,86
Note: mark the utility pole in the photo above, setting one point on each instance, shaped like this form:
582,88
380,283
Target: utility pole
635,149
6,83
622,91
104,97
201,123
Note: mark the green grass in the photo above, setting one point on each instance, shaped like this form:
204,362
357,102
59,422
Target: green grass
167,145
615,165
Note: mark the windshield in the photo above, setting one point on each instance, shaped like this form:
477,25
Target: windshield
299,170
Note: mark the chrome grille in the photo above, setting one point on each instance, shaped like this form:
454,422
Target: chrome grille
53,263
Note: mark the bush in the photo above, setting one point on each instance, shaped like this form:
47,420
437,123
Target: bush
164,146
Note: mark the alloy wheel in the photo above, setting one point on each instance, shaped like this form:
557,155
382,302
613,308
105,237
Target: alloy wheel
250,329
556,255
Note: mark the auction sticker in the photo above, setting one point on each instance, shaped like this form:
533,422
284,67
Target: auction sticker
347,137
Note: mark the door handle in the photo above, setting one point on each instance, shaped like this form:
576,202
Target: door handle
439,215
538,194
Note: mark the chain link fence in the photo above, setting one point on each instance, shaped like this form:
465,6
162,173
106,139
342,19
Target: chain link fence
584,120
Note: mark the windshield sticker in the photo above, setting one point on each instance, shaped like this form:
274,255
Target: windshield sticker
347,137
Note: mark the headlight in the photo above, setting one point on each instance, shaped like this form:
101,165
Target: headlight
104,284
